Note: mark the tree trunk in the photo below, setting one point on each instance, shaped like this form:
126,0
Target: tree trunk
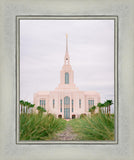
21,109
109,110
26,109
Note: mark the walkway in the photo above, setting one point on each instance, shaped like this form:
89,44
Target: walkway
66,135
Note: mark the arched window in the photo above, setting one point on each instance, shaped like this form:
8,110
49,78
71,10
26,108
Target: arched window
61,105
79,103
53,103
72,105
90,103
42,103
66,100
66,78
67,107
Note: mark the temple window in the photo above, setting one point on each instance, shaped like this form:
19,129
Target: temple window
61,105
79,103
53,103
90,103
72,105
42,103
66,78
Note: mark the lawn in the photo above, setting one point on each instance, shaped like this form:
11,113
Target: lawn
98,127
39,127
44,127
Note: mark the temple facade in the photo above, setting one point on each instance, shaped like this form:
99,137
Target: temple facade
66,101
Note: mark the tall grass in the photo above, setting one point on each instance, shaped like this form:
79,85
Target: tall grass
98,127
39,127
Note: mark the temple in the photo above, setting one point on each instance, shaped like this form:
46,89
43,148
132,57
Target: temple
66,101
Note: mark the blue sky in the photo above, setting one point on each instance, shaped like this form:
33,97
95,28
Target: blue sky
42,50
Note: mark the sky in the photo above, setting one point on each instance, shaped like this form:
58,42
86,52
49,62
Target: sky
91,51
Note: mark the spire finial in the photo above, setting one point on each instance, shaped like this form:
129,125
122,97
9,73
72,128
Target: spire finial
66,42
67,59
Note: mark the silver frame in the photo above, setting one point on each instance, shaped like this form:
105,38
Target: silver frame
67,17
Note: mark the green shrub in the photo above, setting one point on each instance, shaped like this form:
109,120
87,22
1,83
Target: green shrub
99,127
83,115
41,110
36,127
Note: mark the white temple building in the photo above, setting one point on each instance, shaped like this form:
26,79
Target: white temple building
66,101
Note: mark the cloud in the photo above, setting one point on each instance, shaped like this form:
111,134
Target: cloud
42,50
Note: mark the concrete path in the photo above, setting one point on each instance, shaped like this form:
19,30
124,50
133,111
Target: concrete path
66,135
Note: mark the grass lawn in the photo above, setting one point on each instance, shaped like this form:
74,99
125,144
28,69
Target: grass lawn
39,127
44,127
99,127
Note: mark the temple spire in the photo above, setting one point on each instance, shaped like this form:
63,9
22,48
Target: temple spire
66,43
67,58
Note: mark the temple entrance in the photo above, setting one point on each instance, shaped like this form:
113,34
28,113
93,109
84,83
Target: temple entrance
59,116
73,116
66,107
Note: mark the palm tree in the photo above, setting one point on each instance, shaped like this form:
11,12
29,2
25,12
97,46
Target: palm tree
106,106
31,106
22,104
26,105
103,105
92,109
99,105
40,110
109,102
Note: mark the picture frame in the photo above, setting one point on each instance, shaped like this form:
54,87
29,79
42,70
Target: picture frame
9,147
20,19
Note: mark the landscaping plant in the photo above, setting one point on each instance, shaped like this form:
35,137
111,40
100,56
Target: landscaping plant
97,127
39,127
